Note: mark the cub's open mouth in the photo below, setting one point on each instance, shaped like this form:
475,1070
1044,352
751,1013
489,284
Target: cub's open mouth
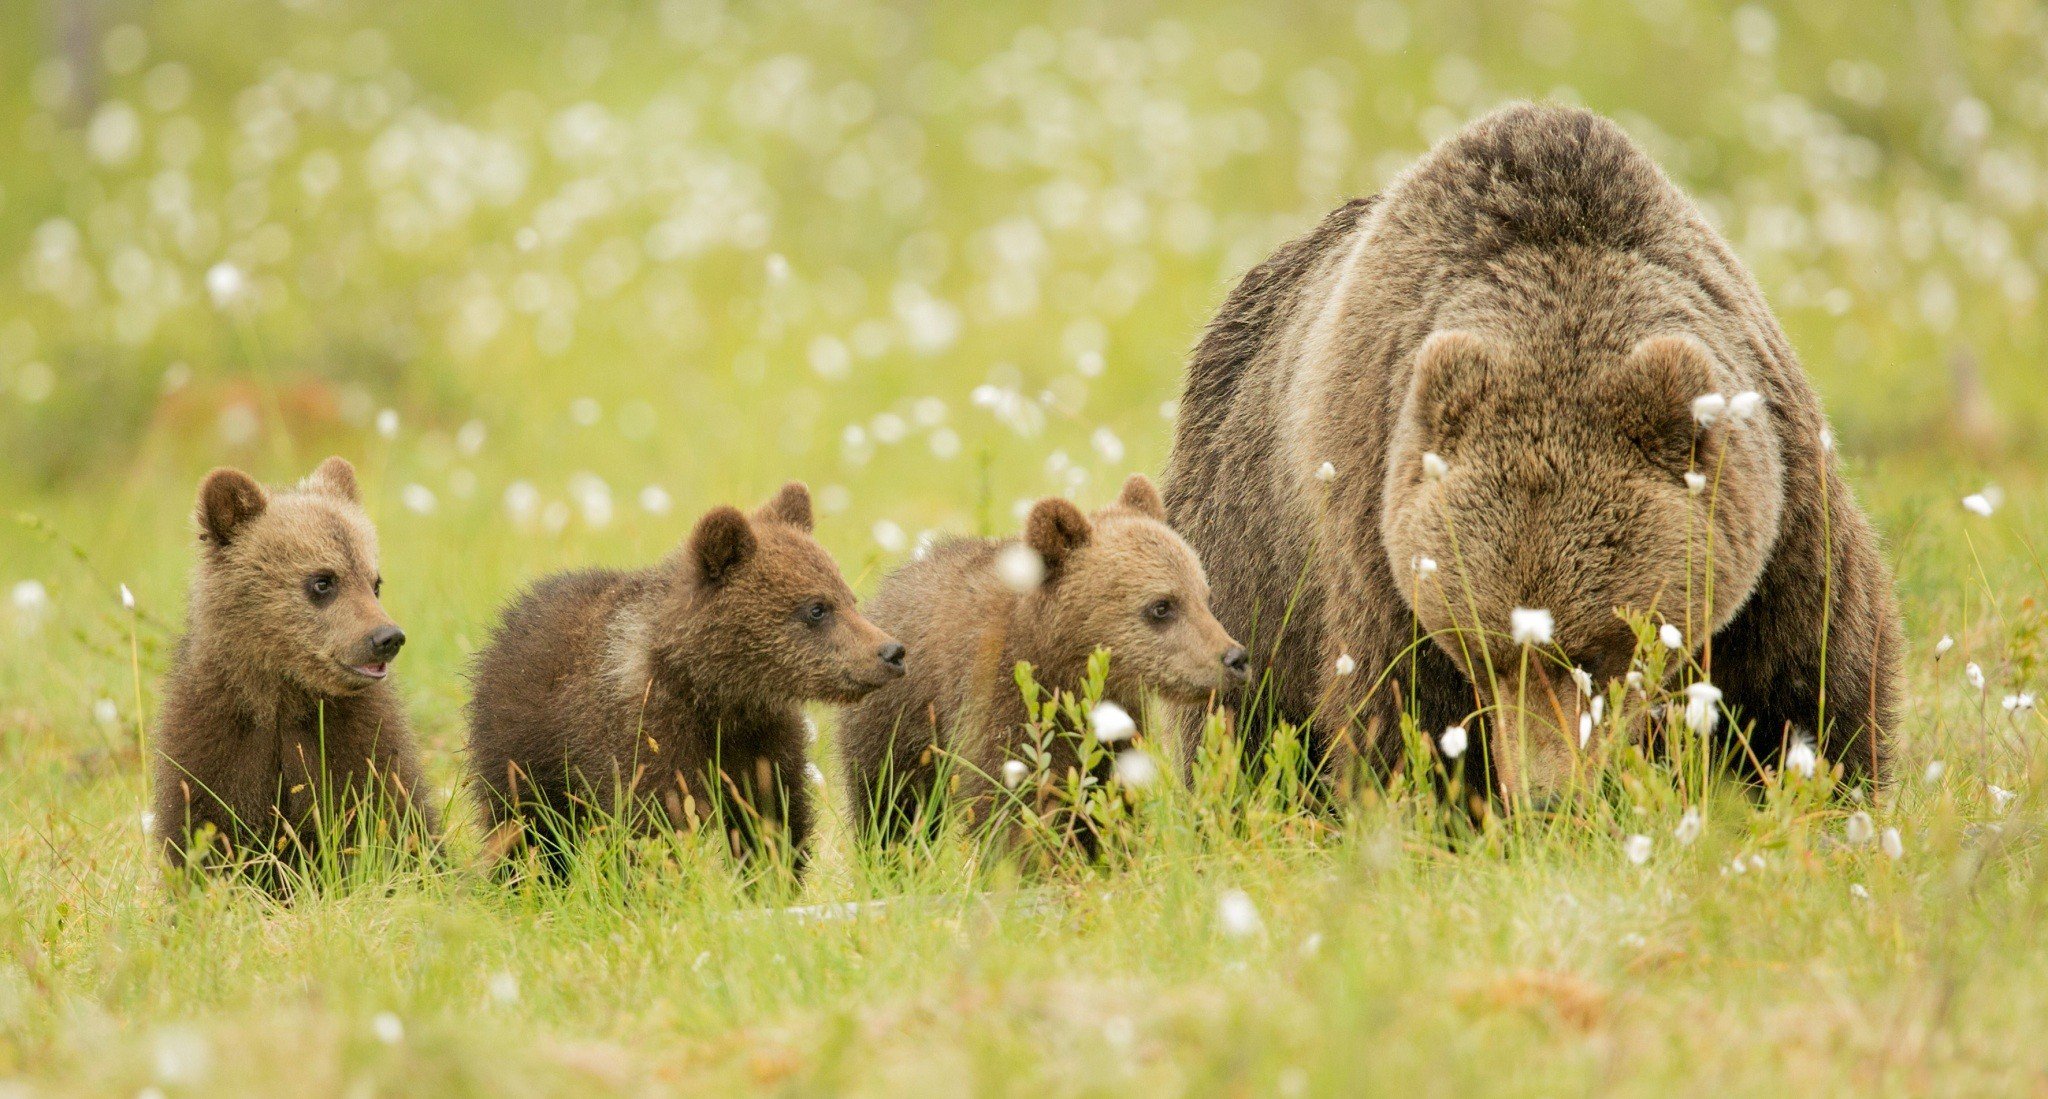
371,671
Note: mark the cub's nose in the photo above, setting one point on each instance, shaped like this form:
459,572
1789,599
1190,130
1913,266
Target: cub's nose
385,641
892,656
1237,662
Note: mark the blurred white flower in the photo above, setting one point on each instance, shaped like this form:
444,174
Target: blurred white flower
1014,772
585,411
1637,848
1744,405
148,822
1689,826
890,537
1425,567
127,598
2019,703
1859,829
1529,626
181,1055
1893,844
1237,915
417,498
1858,891
1801,757
1326,472
1671,636
1434,468
1584,679
387,423
1980,504
225,284
522,501
106,712
1585,729
1702,707
1345,664
777,267
31,600
1453,741
1695,482
1634,679
1935,769
1707,408
1136,769
389,1029
1942,646
2000,796
504,987
469,438
1975,675
1021,568
655,500
1112,724
814,774
1107,444
1827,441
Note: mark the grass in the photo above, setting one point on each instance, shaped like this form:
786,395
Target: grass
937,262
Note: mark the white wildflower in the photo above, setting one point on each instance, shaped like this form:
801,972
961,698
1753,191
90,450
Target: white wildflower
1637,848
1434,468
1454,741
1859,829
387,423
469,438
1689,826
127,598
2000,796
655,500
148,822
1857,890
504,987
1585,730
1326,472
1695,482
1021,568
225,284
1425,567
2019,703
1744,405
1345,664
1671,636
1935,769
890,536
1979,504
1702,707
1975,675
1136,769
1237,915
1584,679
389,1028
1014,772
418,499
1827,441
1708,407
1634,679
1112,724
1942,646
30,598
106,712
1529,626
1801,758
1893,844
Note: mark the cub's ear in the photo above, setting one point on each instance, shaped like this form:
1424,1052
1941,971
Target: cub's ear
1142,496
336,478
228,498
1055,528
1652,392
721,542
792,505
1453,372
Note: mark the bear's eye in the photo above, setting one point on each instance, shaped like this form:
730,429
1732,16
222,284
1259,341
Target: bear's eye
1160,610
320,588
815,613
377,586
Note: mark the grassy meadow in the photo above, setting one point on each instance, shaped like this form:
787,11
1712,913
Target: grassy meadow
559,276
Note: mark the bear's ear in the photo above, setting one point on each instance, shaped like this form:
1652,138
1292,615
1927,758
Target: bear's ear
228,498
1652,395
792,505
1451,376
1055,528
336,478
1141,496
721,542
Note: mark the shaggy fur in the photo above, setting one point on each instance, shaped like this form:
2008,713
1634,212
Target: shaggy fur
1120,579
1536,303
279,729
680,683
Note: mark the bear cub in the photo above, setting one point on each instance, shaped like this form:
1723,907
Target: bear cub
669,697
280,731
973,608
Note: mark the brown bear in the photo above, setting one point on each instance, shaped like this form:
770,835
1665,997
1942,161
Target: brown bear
678,686
280,737
1120,579
1528,375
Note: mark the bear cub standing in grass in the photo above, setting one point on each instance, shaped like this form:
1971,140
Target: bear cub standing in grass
679,683
280,732
974,608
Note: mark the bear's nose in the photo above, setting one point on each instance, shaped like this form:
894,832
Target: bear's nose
385,641
1237,662
892,655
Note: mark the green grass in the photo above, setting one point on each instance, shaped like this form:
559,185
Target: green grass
776,224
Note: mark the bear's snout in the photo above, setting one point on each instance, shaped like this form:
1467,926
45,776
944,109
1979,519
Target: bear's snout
1237,664
891,655
385,641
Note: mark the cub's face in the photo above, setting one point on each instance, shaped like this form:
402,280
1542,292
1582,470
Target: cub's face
1123,580
769,616
291,580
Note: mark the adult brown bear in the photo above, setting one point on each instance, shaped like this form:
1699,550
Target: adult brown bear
1501,359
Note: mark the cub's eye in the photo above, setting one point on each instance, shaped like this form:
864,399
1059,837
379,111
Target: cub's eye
815,613
1160,610
377,586
320,588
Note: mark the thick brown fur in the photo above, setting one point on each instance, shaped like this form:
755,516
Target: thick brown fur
680,683
1535,302
960,707
263,686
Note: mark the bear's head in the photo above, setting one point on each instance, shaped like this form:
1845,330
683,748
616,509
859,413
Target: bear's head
761,613
288,582
1121,579
1510,488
